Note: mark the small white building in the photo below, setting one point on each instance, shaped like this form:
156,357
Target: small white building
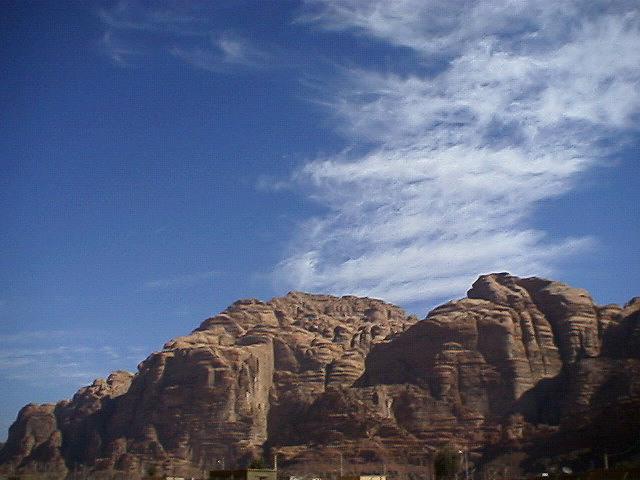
363,477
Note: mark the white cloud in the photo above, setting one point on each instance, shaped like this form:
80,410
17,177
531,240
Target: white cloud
63,361
178,281
119,52
134,31
132,15
36,335
462,156
238,50
44,363
223,53
433,27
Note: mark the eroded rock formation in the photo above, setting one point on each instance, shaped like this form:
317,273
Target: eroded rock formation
518,361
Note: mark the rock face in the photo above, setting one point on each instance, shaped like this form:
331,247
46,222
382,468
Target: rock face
519,362
52,437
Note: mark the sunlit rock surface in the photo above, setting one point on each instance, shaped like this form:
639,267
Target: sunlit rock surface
519,362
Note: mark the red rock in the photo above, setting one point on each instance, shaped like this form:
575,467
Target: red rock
519,361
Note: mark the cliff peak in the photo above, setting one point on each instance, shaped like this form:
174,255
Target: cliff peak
520,361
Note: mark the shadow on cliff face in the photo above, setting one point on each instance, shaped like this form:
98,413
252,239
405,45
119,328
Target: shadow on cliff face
309,375
542,404
587,411
613,432
623,339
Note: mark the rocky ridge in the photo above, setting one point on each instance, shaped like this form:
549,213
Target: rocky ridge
520,362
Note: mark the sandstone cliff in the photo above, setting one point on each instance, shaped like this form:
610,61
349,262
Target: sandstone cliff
518,363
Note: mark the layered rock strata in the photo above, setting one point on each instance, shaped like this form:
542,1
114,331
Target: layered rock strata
314,377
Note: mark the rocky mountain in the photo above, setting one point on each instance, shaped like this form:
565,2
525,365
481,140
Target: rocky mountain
524,373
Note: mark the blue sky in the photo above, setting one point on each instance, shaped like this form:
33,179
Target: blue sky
161,160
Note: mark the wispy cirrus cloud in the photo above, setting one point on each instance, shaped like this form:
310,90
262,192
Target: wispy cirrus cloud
47,363
59,357
223,53
134,30
179,281
431,28
120,52
33,335
511,109
176,18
